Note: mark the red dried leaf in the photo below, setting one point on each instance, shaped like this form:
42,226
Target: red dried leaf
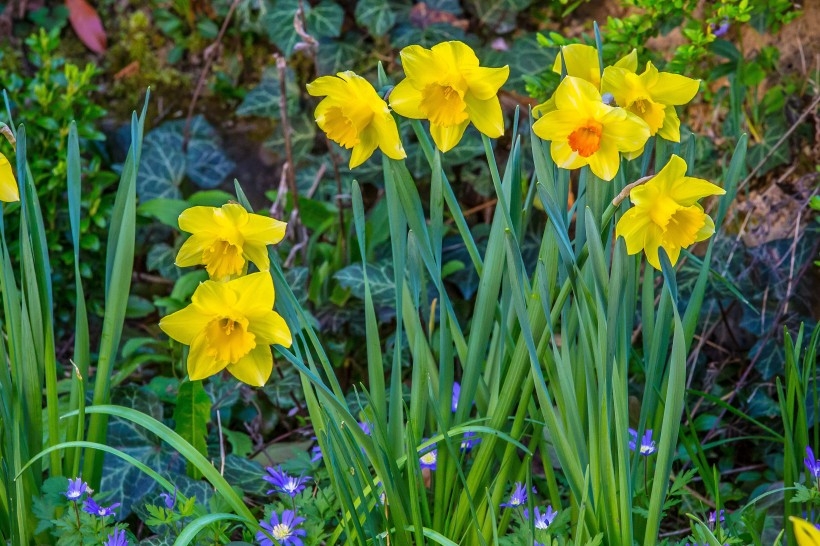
87,24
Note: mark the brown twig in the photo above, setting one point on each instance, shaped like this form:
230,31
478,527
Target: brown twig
210,56
624,193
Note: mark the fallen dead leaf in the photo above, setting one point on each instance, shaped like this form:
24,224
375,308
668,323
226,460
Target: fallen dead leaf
86,23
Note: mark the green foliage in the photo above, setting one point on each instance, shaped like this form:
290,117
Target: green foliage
192,414
57,93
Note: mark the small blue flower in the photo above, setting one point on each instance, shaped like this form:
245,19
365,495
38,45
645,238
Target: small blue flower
365,426
456,394
95,509
76,489
284,483
469,440
283,530
812,464
315,453
168,499
647,445
117,538
518,497
428,459
542,520
714,517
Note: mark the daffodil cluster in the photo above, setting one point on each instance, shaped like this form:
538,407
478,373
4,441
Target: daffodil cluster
444,85
230,323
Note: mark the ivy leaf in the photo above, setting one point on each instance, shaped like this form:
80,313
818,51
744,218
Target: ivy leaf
338,55
325,20
302,135
525,57
279,24
161,259
192,414
380,278
500,15
245,474
376,15
162,165
207,164
406,34
263,100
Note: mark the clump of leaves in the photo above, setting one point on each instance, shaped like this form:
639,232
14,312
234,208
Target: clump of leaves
56,94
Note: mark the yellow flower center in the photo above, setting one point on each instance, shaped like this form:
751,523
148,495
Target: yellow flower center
443,105
228,341
683,226
586,140
281,531
340,127
223,259
649,111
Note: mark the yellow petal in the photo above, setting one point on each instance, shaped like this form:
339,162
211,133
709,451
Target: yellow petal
689,190
544,108
556,125
447,137
486,115
707,230
364,149
575,93
565,157
484,82
418,64
185,324
212,298
683,228
632,227
326,86
806,533
270,328
454,54
255,367
254,293
626,131
387,135
628,61
258,254
8,184
201,362
653,237
606,161
674,89
190,253
671,173
263,230
582,62
405,100
198,220
670,130
231,215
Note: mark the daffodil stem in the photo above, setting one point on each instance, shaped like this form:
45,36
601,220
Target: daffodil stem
624,193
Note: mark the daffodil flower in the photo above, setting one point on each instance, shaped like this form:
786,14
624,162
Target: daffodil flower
354,116
230,325
806,533
651,95
446,85
666,213
8,185
224,239
585,131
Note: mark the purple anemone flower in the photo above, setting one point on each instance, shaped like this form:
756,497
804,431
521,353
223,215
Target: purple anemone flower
168,499
518,496
428,459
117,538
456,394
95,509
542,520
282,482
469,440
76,489
812,464
715,517
646,446
284,530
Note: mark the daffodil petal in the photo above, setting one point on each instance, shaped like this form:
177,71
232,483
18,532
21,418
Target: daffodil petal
653,237
674,89
632,227
484,82
263,230
190,253
405,100
417,63
707,230
628,61
212,297
325,86
446,138
255,367
184,325
582,62
387,135
364,149
201,363
457,54
270,328
670,130
197,220
627,134
8,184
689,190
486,115
255,294
606,161
556,125
615,81
575,93
258,254
805,533
565,157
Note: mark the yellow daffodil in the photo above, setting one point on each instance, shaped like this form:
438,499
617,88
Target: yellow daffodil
230,325
224,239
806,533
354,116
8,185
666,213
582,62
446,86
651,95
585,131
